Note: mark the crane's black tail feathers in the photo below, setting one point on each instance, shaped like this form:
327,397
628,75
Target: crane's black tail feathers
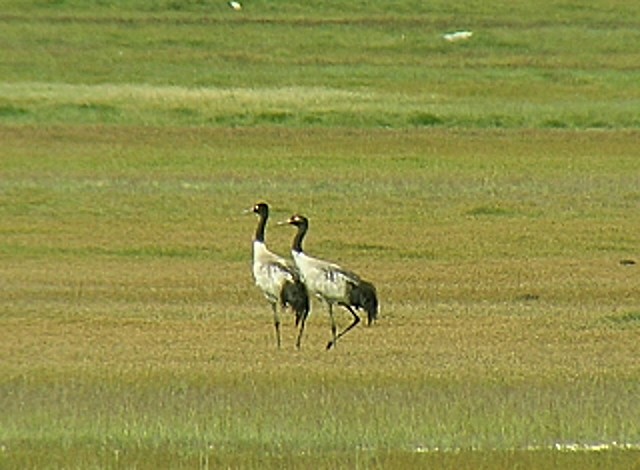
294,295
364,296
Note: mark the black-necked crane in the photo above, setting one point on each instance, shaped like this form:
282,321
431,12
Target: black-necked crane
278,279
331,283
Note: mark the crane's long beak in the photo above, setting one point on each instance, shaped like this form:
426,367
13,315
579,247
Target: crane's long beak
248,211
283,223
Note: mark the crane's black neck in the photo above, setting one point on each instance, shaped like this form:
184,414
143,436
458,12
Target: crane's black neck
297,240
262,223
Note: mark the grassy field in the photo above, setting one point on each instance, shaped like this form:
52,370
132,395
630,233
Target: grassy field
490,190
370,64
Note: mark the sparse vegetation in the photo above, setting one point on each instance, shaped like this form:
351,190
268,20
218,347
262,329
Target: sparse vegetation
487,188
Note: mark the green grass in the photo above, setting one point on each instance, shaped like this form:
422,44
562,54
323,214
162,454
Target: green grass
311,106
488,188
371,65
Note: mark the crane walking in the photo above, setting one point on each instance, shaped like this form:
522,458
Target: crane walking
331,283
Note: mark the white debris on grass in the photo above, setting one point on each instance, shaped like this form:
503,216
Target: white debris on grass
458,36
235,5
595,447
558,446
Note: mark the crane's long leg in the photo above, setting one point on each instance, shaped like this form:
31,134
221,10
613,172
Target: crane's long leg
301,318
276,322
334,328
302,321
356,320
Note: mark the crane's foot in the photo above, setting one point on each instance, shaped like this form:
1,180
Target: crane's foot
330,345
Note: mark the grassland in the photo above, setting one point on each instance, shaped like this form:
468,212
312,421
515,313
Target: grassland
549,64
489,189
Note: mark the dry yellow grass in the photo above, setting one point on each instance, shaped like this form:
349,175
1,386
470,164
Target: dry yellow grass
513,337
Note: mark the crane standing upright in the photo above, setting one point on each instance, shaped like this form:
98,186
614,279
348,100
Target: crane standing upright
278,279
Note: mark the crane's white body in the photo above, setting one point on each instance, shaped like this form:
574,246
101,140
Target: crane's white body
270,271
325,280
